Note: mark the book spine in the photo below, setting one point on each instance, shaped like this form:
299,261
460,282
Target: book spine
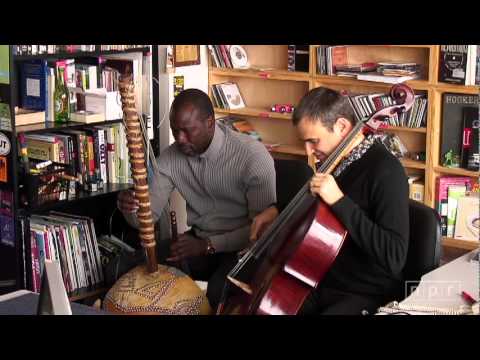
35,263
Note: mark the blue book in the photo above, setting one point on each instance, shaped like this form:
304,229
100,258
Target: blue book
7,235
33,84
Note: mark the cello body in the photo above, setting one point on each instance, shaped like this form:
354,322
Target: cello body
289,271
300,273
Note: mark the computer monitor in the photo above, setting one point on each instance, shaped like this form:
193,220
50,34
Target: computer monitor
53,299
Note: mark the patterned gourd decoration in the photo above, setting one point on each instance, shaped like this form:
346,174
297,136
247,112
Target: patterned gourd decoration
150,289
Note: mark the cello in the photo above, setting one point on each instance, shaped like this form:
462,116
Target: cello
292,256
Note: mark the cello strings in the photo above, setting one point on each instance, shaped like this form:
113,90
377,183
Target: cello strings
269,236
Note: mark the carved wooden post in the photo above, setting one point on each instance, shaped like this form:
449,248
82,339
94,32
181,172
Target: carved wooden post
136,153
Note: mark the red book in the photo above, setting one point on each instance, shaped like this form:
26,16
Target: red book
226,56
35,263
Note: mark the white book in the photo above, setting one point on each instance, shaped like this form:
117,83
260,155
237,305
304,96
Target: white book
102,156
120,141
92,77
471,64
111,163
232,95
386,79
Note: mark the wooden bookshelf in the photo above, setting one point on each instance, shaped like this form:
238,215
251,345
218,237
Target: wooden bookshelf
456,171
97,205
266,83
289,149
413,164
262,74
50,126
421,130
270,82
255,112
460,244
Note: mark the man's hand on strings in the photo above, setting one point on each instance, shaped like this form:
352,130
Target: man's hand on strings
187,246
325,186
262,221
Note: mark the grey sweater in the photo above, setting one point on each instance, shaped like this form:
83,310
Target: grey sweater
224,188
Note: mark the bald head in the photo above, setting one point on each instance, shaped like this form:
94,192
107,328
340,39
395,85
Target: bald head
192,121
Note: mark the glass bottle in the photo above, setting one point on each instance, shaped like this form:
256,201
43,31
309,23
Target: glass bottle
61,98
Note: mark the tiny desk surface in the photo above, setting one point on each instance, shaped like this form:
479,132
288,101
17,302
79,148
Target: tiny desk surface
24,302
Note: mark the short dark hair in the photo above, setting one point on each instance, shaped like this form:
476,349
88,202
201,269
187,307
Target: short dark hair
324,105
194,97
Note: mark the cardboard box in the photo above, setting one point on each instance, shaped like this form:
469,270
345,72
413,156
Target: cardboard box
417,191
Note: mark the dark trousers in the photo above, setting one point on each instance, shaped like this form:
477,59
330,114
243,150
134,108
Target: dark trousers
328,301
214,269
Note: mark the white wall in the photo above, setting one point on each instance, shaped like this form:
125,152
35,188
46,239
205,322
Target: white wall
195,76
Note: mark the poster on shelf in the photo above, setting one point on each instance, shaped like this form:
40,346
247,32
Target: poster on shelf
178,85
3,169
4,65
5,117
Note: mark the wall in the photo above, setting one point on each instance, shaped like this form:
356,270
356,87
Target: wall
195,76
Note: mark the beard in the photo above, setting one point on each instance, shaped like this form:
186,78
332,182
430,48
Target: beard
188,150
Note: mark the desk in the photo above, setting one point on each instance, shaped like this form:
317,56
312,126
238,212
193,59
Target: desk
442,287
24,302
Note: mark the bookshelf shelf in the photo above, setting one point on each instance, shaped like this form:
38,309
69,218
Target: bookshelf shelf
412,164
470,89
289,149
262,74
78,54
456,171
349,81
420,130
82,195
255,112
461,244
52,126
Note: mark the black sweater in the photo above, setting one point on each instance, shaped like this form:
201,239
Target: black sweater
374,210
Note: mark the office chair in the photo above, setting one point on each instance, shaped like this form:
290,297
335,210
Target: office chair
424,249
291,175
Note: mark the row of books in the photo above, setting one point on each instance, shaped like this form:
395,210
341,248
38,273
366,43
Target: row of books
72,241
221,56
55,49
7,233
241,125
367,104
334,60
227,96
459,64
93,152
457,203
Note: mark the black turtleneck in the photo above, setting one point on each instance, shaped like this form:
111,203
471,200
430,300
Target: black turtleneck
375,212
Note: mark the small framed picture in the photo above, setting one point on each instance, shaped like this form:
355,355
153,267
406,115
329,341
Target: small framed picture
185,55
